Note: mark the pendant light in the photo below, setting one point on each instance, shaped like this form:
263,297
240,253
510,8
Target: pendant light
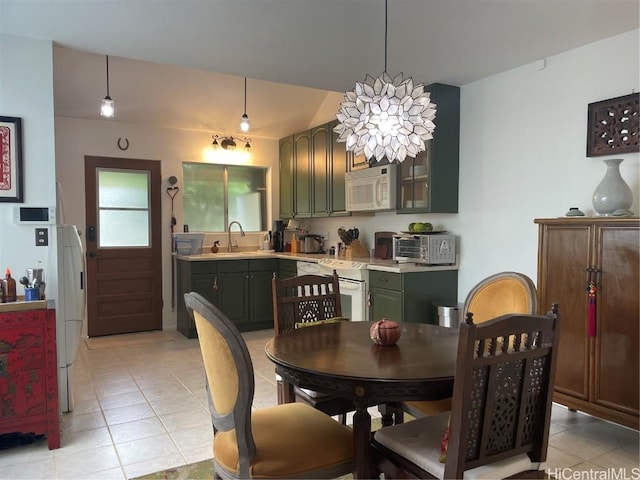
244,121
386,117
107,108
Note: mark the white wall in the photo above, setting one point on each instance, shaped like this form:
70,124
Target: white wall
26,91
522,156
77,138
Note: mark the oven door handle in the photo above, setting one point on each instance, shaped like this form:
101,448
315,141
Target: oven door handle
350,285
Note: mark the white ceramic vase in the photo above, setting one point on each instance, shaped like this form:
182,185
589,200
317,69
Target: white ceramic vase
612,194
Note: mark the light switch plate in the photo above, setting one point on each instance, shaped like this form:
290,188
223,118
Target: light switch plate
42,237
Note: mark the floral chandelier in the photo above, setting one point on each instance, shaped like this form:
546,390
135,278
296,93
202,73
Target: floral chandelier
386,117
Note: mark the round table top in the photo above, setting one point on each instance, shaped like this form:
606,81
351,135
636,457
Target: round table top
345,350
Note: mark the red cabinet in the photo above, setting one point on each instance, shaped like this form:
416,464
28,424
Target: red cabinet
28,373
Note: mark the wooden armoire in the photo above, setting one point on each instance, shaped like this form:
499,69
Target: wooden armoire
597,370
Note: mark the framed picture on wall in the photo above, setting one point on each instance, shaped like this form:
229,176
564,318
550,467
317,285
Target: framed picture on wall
11,181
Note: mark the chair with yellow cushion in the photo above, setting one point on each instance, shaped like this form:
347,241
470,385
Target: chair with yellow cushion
285,441
498,294
501,407
306,301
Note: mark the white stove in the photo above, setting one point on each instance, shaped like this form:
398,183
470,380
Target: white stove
354,279
346,269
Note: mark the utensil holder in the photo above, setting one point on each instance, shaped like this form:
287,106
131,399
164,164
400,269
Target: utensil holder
356,250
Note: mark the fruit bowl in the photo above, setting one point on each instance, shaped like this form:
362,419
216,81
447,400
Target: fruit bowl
419,227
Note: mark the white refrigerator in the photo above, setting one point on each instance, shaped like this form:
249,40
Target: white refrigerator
70,308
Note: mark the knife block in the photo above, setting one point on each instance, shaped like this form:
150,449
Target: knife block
356,250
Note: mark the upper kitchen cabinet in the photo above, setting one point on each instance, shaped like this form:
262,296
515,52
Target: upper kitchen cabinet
302,174
429,182
286,177
320,164
312,169
338,167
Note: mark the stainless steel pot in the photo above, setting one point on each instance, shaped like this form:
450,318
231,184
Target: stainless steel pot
312,243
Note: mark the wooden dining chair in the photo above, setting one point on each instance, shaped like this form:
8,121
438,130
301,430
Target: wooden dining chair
306,301
501,407
285,441
498,294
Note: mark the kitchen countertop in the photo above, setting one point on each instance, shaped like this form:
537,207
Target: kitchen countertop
21,305
372,264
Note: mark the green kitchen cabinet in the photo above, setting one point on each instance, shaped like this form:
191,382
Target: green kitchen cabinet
339,161
241,289
429,182
386,303
261,302
286,177
199,277
312,170
320,165
244,292
287,268
302,174
233,290
411,296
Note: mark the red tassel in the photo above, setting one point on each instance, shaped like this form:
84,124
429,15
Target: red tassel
591,316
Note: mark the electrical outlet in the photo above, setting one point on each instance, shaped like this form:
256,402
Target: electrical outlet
42,237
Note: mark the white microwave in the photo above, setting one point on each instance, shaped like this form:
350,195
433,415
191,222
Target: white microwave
371,189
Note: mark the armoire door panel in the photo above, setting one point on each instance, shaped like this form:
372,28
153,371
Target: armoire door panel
567,256
616,354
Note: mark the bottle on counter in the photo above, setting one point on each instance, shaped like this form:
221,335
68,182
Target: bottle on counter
9,288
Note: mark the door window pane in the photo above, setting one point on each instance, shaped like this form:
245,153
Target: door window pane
124,228
123,208
215,195
123,189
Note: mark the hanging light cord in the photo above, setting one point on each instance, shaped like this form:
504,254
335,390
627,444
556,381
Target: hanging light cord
385,34
108,76
245,95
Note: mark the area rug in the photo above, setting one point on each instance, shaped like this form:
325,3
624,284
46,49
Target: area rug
193,471
204,469
127,339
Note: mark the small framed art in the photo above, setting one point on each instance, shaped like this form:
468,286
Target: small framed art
612,126
11,181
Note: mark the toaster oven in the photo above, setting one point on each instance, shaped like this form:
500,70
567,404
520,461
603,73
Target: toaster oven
428,249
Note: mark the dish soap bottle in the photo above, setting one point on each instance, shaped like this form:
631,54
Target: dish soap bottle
9,287
214,247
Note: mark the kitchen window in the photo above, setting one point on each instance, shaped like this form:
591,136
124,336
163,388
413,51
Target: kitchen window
215,195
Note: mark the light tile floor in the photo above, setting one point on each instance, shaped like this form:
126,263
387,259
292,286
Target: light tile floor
143,408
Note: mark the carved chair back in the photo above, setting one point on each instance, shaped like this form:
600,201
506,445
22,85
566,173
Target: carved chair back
503,390
305,299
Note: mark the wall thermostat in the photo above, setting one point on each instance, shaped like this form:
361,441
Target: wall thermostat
34,215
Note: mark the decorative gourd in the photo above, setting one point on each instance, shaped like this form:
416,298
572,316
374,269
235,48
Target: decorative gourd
385,332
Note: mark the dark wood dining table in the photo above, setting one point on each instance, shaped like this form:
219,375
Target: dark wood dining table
340,359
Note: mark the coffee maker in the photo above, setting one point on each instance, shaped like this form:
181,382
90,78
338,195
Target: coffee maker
278,235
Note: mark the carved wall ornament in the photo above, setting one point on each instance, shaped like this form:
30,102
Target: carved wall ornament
612,126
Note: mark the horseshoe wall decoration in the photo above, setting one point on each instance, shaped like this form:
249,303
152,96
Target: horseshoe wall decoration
126,144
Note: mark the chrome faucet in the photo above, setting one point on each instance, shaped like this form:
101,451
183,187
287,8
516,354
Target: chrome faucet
229,233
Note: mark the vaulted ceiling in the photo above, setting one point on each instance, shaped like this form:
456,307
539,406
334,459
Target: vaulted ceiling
180,63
